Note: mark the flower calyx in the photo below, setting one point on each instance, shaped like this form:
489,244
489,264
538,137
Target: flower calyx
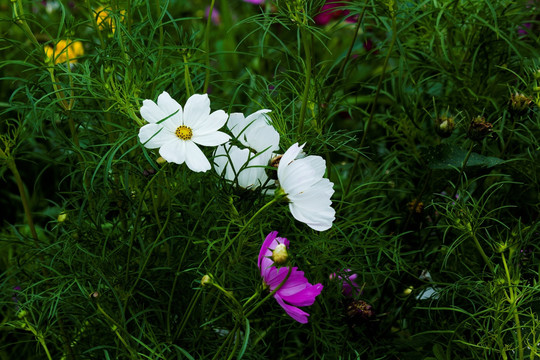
479,129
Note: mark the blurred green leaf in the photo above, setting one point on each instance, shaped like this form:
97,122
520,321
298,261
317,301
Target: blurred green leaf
446,156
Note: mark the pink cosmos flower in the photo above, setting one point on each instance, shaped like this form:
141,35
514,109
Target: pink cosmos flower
296,291
332,10
350,287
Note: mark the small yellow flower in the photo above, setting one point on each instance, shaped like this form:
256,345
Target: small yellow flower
104,20
63,51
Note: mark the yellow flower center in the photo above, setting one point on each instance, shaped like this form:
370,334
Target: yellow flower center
183,132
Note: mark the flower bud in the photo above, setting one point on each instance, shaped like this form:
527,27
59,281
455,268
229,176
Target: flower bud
408,291
161,161
280,254
479,128
519,104
206,280
359,311
22,314
444,126
62,217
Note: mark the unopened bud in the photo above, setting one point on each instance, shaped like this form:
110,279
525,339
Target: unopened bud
479,128
444,126
161,161
206,280
519,104
280,255
62,217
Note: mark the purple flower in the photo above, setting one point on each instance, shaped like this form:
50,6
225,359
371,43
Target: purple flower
296,291
216,18
349,287
256,2
332,10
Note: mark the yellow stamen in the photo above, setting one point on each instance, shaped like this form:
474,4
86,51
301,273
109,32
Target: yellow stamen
184,132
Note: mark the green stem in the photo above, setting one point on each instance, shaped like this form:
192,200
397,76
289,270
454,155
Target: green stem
177,273
19,19
481,251
513,303
230,336
240,232
463,165
187,79
13,167
149,255
207,46
195,297
509,137
373,106
289,271
115,327
136,223
306,39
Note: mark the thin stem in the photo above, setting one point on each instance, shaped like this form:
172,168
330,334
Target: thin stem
463,165
241,231
513,303
289,271
481,251
149,255
19,19
373,106
24,199
207,46
222,252
187,79
509,137
136,223
306,39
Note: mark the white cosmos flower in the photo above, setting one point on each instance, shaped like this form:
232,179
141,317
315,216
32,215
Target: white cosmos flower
307,191
260,141
177,132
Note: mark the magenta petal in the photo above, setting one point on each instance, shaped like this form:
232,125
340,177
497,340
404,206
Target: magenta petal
264,248
304,298
294,312
275,276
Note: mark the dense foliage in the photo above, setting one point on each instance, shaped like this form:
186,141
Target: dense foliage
425,112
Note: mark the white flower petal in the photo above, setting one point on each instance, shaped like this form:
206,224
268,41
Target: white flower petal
263,137
315,218
196,110
151,112
241,166
195,158
153,136
170,106
308,192
212,123
211,139
174,151
235,123
289,156
302,173
220,161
